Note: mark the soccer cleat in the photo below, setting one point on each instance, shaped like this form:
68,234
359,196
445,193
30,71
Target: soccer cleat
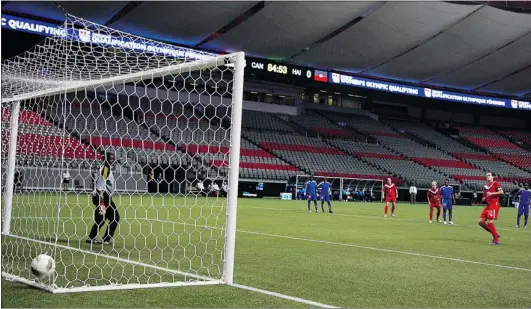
517,226
310,210
393,215
445,222
439,221
494,242
385,216
430,221
525,226
452,222
331,212
93,241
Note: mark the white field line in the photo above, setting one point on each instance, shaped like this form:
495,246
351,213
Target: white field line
386,250
284,296
336,244
382,218
303,210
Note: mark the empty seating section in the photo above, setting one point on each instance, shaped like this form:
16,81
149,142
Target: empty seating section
167,133
255,163
364,124
39,143
518,135
208,141
319,124
314,156
133,144
391,161
264,121
429,133
499,145
483,161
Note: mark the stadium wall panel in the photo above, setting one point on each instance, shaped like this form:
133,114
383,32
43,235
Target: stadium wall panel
502,122
39,178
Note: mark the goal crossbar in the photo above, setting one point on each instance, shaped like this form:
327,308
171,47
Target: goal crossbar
126,78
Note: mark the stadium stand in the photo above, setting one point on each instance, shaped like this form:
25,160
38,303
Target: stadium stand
314,156
132,144
159,133
205,140
473,165
40,143
39,140
320,125
516,135
394,163
263,121
498,145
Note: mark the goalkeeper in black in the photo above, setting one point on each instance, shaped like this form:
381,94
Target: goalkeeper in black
105,207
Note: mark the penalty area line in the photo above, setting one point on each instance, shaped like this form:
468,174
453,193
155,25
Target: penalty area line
338,244
385,250
284,296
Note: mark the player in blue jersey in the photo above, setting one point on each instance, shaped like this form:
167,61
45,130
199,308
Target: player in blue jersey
326,192
311,193
448,199
524,205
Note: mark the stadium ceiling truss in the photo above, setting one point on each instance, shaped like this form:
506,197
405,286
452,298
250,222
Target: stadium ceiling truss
477,46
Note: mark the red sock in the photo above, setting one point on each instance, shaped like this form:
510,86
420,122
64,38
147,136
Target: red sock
493,231
431,214
393,209
386,209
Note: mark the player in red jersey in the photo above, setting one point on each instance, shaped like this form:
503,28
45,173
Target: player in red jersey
434,199
491,194
390,194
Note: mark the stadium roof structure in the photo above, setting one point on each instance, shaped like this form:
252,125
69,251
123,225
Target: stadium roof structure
476,46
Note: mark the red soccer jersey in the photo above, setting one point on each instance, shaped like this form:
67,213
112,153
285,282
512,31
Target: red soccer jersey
434,196
492,200
390,191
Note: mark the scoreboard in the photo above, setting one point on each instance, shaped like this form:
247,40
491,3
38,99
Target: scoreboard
275,69
281,71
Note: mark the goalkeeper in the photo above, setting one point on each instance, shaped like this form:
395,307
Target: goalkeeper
105,207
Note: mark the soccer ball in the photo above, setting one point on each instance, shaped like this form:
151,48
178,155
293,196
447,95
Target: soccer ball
43,266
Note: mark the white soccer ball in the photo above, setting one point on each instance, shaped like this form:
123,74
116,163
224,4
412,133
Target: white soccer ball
43,266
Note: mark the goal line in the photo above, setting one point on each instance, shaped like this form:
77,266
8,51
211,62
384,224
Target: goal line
206,280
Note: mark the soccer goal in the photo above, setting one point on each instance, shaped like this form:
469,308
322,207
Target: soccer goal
339,185
171,117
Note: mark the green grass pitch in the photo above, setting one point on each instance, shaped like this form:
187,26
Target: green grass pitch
352,258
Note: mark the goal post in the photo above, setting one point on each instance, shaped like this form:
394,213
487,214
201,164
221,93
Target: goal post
90,92
340,184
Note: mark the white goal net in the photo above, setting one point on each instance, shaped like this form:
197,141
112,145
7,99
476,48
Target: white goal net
92,100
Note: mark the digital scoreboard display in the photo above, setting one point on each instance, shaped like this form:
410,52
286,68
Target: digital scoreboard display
285,70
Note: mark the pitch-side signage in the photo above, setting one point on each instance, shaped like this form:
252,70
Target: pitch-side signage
349,80
96,37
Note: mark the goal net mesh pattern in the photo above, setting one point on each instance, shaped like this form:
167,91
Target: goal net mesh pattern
164,113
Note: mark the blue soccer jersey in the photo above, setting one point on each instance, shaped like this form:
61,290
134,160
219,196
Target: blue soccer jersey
447,193
325,190
311,190
525,197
